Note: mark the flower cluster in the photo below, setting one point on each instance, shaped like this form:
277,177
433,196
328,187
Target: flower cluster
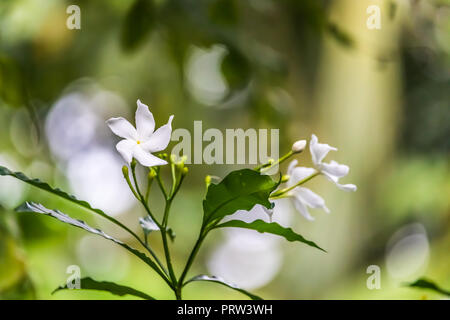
303,198
139,143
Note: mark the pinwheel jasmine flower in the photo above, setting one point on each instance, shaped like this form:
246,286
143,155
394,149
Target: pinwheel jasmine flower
333,171
142,141
302,197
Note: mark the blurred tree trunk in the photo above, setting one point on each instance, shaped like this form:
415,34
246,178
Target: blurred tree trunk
358,99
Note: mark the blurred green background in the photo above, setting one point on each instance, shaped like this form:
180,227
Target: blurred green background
312,66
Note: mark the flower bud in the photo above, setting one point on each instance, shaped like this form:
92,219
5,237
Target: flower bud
183,159
208,180
180,163
133,164
299,146
151,174
285,178
125,172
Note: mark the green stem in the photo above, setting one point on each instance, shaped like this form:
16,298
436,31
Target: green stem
144,203
160,184
279,193
279,161
191,258
127,179
162,273
178,294
174,179
165,242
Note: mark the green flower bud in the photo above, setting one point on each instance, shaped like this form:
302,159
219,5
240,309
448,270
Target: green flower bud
133,164
208,180
151,174
125,172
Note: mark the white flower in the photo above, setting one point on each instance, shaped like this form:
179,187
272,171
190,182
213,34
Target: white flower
141,142
303,197
333,170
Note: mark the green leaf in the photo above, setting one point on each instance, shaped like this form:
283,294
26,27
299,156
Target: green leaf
240,190
39,208
223,282
273,228
138,24
427,284
46,187
111,287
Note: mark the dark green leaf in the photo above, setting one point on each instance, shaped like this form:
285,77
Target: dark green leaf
240,190
427,284
46,187
39,208
225,283
138,24
273,228
111,287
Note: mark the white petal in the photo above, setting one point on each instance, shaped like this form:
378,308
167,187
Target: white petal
347,187
122,128
299,173
335,169
147,159
300,207
319,150
335,180
125,148
145,123
311,199
160,138
292,165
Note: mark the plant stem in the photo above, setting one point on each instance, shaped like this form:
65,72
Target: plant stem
160,184
144,203
191,258
280,160
165,242
278,194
